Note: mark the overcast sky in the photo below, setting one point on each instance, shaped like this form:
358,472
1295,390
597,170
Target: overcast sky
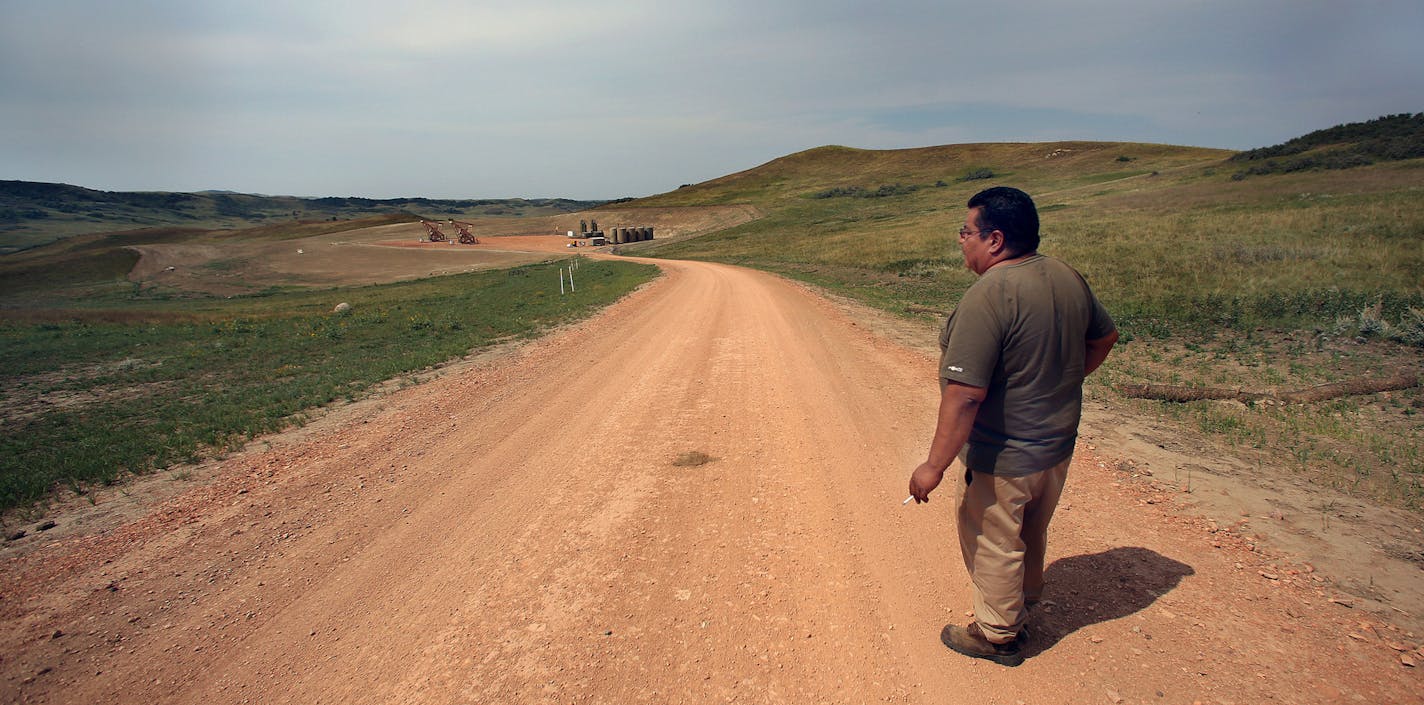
611,98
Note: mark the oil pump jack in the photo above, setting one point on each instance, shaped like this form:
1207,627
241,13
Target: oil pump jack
434,232
466,237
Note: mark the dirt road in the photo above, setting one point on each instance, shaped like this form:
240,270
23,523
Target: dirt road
520,531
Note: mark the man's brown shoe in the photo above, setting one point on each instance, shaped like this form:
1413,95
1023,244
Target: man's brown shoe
971,642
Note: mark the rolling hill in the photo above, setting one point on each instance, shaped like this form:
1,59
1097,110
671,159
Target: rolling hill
1168,234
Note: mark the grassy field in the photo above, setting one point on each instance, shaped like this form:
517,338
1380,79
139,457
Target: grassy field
1269,283
122,382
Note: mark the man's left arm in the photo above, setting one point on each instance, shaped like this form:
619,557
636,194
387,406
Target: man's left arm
958,405
1097,352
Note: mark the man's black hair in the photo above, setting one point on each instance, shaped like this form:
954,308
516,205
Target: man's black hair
1011,212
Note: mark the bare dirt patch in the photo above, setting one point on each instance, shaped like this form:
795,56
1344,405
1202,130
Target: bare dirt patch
25,396
368,256
1358,545
18,404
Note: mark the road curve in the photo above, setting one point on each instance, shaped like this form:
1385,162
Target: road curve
519,531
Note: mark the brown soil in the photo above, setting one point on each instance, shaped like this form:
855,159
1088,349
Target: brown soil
358,257
526,528
398,252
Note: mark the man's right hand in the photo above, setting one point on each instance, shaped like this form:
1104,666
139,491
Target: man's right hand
923,480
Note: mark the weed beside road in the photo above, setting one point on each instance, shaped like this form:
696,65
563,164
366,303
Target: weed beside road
1370,445
132,384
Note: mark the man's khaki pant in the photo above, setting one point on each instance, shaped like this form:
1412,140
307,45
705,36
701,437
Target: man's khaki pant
1003,533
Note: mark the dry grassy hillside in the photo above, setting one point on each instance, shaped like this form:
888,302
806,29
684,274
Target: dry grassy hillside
1052,165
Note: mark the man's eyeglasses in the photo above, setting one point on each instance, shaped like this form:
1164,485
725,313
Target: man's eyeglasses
966,232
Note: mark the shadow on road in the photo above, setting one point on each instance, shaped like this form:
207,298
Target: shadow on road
1088,589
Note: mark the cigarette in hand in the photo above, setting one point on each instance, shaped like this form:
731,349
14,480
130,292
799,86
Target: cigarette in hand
907,500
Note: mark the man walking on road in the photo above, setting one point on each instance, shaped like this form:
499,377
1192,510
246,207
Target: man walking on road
1014,355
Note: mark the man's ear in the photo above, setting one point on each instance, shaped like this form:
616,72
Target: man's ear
999,244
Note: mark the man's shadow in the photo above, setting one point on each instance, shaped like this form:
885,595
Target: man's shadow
1088,589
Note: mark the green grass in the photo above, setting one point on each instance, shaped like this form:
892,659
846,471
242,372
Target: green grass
129,385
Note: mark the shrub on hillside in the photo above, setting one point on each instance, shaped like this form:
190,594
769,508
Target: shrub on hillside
1334,159
839,192
893,190
883,191
1389,138
15,215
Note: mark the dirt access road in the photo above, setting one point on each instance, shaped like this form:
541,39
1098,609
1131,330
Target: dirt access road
518,531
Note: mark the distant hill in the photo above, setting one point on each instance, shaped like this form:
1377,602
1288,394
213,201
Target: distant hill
35,213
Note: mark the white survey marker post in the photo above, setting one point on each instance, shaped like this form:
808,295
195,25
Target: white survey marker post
561,281
571,278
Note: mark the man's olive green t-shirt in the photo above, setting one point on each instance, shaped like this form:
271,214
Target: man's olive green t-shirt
1021,332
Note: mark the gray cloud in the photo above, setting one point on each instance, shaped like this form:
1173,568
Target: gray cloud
615,98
